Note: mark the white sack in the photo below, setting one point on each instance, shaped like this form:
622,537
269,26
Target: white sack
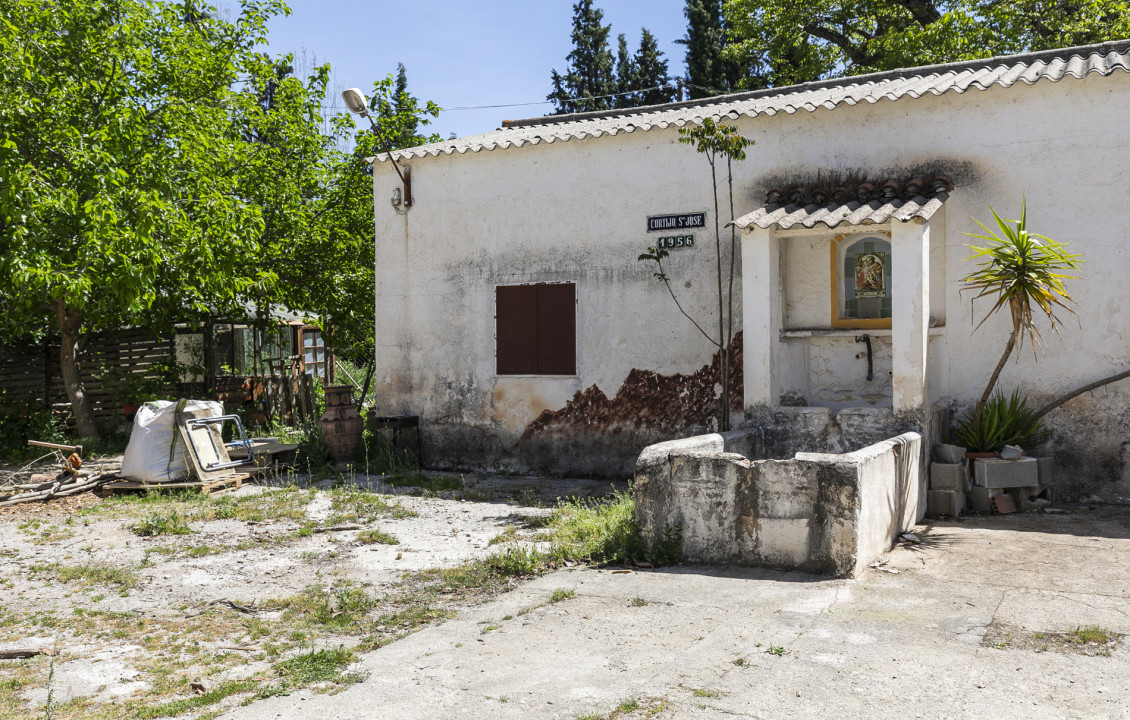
155,437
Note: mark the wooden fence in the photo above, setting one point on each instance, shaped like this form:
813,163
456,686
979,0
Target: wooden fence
30,374
289,398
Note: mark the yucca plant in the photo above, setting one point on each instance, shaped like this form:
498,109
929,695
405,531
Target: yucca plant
1024,272
1005,420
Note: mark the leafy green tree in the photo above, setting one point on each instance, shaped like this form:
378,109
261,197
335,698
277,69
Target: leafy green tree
339,253
117,201
280,175
315,252
652,84
709,72
784,42
589,77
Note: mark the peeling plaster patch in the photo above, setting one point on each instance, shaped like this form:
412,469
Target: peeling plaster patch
667,404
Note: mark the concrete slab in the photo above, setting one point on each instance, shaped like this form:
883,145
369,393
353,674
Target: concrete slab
721,642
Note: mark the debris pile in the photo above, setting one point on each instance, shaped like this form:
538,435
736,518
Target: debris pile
68,477
989,482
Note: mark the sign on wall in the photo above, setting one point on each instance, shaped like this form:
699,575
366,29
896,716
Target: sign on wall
675,241
684,221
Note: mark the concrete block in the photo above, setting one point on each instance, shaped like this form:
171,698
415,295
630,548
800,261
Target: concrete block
1046,467
979,498
995,473
1031,498
945,502
948,477
950,454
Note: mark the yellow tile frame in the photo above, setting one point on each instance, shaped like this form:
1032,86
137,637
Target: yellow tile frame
837,281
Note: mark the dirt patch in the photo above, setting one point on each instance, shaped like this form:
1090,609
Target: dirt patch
1092,641
168,604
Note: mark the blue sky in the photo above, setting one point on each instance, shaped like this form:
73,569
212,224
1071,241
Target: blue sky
461,54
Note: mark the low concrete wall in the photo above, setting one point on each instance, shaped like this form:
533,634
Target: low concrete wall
818,512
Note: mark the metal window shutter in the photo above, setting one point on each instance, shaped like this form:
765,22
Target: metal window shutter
516,329
557,329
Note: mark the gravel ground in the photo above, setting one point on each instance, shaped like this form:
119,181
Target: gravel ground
136,620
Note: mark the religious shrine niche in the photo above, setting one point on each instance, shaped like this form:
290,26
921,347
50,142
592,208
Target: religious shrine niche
861,280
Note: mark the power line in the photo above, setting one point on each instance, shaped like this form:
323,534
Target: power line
547,102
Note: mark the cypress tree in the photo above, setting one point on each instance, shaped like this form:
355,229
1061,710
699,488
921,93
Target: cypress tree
708,73
627,81
589,74
651,72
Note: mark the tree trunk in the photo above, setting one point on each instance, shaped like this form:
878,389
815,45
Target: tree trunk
724,415
1079,391
993,380
70,324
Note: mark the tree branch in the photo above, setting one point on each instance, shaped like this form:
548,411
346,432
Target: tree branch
855,54
667,282
1075,393
922,10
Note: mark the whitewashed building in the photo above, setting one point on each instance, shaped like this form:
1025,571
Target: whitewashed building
515,320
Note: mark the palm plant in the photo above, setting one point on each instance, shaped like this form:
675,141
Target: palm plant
1024,272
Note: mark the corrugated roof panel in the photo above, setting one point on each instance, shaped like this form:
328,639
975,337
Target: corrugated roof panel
1051,65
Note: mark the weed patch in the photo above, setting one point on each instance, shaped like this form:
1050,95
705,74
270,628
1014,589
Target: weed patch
341,604
169,522
352,504
179,707
561,594
91,574
606,531
374,536
1091,640
313,667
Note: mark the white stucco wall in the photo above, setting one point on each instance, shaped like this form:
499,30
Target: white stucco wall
575,211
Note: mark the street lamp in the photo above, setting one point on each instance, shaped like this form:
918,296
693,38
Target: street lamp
355,101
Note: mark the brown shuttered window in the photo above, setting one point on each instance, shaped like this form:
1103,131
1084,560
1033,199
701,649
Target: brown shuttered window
536,327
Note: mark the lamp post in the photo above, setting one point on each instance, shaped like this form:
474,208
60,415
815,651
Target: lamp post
356,102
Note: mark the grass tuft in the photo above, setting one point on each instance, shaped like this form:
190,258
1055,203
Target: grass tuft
562,594
1091,634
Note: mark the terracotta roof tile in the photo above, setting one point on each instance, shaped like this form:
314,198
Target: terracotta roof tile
863,203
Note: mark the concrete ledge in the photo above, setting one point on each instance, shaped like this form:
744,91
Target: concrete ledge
825,513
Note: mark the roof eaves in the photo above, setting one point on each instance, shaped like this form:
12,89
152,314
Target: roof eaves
958,77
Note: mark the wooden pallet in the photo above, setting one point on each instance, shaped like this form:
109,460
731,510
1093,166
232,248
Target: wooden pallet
211,487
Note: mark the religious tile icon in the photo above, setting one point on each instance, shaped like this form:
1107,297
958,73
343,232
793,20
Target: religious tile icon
869,275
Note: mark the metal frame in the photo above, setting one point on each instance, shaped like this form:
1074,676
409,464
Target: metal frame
219,420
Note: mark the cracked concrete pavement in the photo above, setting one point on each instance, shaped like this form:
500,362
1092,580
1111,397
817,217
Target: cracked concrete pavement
724,642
